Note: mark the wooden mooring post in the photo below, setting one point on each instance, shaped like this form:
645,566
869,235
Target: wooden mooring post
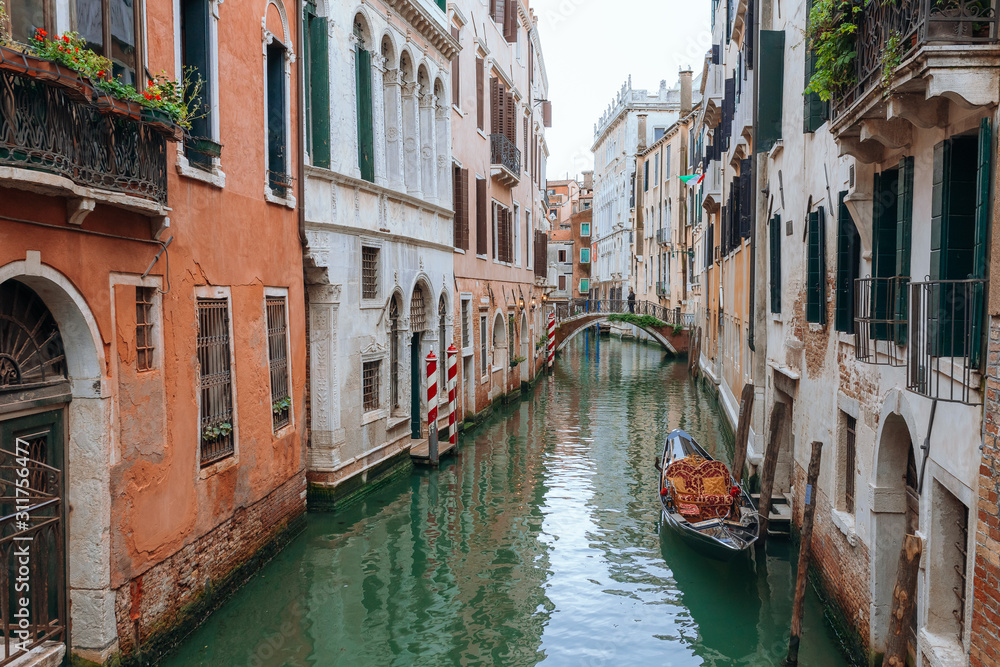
769,468
903,598
743,432
809,511
694,353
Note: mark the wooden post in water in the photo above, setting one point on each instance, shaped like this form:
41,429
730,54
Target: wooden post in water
743,432
903,598
808,510
694,351
769,467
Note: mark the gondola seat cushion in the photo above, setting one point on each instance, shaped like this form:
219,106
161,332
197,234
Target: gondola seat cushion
702,488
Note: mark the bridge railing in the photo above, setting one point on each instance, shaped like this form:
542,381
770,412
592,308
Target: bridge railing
582,307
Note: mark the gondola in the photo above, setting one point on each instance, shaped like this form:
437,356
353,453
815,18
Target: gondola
700,503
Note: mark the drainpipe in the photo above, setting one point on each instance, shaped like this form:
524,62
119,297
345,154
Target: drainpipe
926,448
751,301
300,116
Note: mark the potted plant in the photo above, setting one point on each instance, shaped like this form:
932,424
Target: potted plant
212,433
204,145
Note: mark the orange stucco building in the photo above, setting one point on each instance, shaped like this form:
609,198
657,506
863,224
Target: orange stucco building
152,345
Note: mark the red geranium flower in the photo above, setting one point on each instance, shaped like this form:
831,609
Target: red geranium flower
66,39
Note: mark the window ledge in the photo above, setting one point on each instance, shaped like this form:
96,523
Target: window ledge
459,251
216,177
287,201
373,416
845,522
481,257
816,327
467,351
371,304
481,133
219,466
457,110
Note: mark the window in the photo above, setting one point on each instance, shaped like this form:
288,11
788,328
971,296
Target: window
363,83
892,214
656,169
369,272
849,460
277,153
466,323
666,171
775,265
317,76
196,57
109,28
769,99
216,418
481,201
144,328
815,111
585,226
370,384
816,268
658,133
394,353
585,255
562,255
515,233
480,94
277,358
456,77
483,358
848,263
460,201
503,250
584,285
562,283
645,176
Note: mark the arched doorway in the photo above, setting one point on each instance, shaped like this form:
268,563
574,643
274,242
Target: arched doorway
394,354
34,393
895,513
418,325
500,348
525,348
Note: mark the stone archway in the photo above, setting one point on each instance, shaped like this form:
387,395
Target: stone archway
525,349
88,454
894,513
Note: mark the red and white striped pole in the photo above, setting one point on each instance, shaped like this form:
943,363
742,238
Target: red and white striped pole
552,340
432,408
452,386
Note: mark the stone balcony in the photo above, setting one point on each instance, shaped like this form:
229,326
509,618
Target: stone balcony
505,160
949,58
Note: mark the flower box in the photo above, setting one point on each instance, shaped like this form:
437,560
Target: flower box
113,106
31,66
162,122
205,146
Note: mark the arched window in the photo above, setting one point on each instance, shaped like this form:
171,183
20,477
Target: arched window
442,337
418,319
31,348
317,75
363,79
394,353
390,107
499,342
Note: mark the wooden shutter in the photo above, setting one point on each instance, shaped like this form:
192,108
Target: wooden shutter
510,119
816,268
456,76
524,156
319,91
480,94
772,61
815,111
904,226
195,55
541,253
496,106
746,199
980,249
481,219
775,264
848,259
366,137
531,60
547,113
460,196
499,11
510,22
748,36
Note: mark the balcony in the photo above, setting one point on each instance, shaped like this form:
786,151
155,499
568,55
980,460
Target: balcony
505,160
662,288
947,335
880,320
663,236
73,142
948,53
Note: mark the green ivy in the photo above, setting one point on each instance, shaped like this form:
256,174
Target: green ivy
638,320
831,35
213,433
890,60
281,405
516,360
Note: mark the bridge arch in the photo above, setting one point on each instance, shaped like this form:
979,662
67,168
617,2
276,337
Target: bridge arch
569,329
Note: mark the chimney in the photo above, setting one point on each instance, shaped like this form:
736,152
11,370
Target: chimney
685,77
642,132
588,180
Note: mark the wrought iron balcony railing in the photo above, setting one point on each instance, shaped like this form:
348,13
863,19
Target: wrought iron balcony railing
880,320
45,130
504,153
914,23
947,333
663,236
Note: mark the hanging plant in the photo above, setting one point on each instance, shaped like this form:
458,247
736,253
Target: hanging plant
891,58
831,35
516,360
5,29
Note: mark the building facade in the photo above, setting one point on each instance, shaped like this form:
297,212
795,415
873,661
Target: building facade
569,260
151,367
378,226
499,118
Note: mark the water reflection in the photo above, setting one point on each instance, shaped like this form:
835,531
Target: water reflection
540,542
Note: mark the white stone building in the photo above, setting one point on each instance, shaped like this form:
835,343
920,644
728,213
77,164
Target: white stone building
378,223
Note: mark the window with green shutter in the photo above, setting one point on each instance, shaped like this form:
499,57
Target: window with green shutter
815,111
277,119
816,268
366,137
775,266
848,261
317,74
584,285
585,255
983,203
885,201
904,232
196,59
769,99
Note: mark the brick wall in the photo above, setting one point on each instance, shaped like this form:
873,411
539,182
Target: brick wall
155,600
985,649
844,570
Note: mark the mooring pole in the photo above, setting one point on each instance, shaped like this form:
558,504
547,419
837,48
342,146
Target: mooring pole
903,598
769,468
743,432
432,409
552,340
452,387
809,510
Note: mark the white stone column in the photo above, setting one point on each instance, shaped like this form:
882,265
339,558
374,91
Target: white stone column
392,122
324,399
378,113
428,173
355,168
443,157
411,138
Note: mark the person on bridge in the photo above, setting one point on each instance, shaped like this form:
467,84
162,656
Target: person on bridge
631,300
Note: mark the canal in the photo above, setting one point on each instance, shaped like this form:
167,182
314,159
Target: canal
538,543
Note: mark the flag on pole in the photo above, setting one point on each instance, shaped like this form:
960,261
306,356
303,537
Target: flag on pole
688,179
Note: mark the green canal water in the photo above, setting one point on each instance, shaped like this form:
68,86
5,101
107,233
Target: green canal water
539,542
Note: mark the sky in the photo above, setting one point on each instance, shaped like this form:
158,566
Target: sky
590,51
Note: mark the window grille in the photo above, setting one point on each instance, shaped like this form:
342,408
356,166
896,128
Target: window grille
418,320
851,440
277,355
466,324
370,378
215,379
442,338
394,353
482,346
144,328
369,273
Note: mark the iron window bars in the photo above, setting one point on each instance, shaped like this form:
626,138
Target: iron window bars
216,381
880,320
144,328
369,272
370,381
277,356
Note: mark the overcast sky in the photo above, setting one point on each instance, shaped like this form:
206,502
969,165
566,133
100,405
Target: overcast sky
590,48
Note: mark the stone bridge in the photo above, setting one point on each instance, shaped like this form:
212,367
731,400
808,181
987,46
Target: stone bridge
576,315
